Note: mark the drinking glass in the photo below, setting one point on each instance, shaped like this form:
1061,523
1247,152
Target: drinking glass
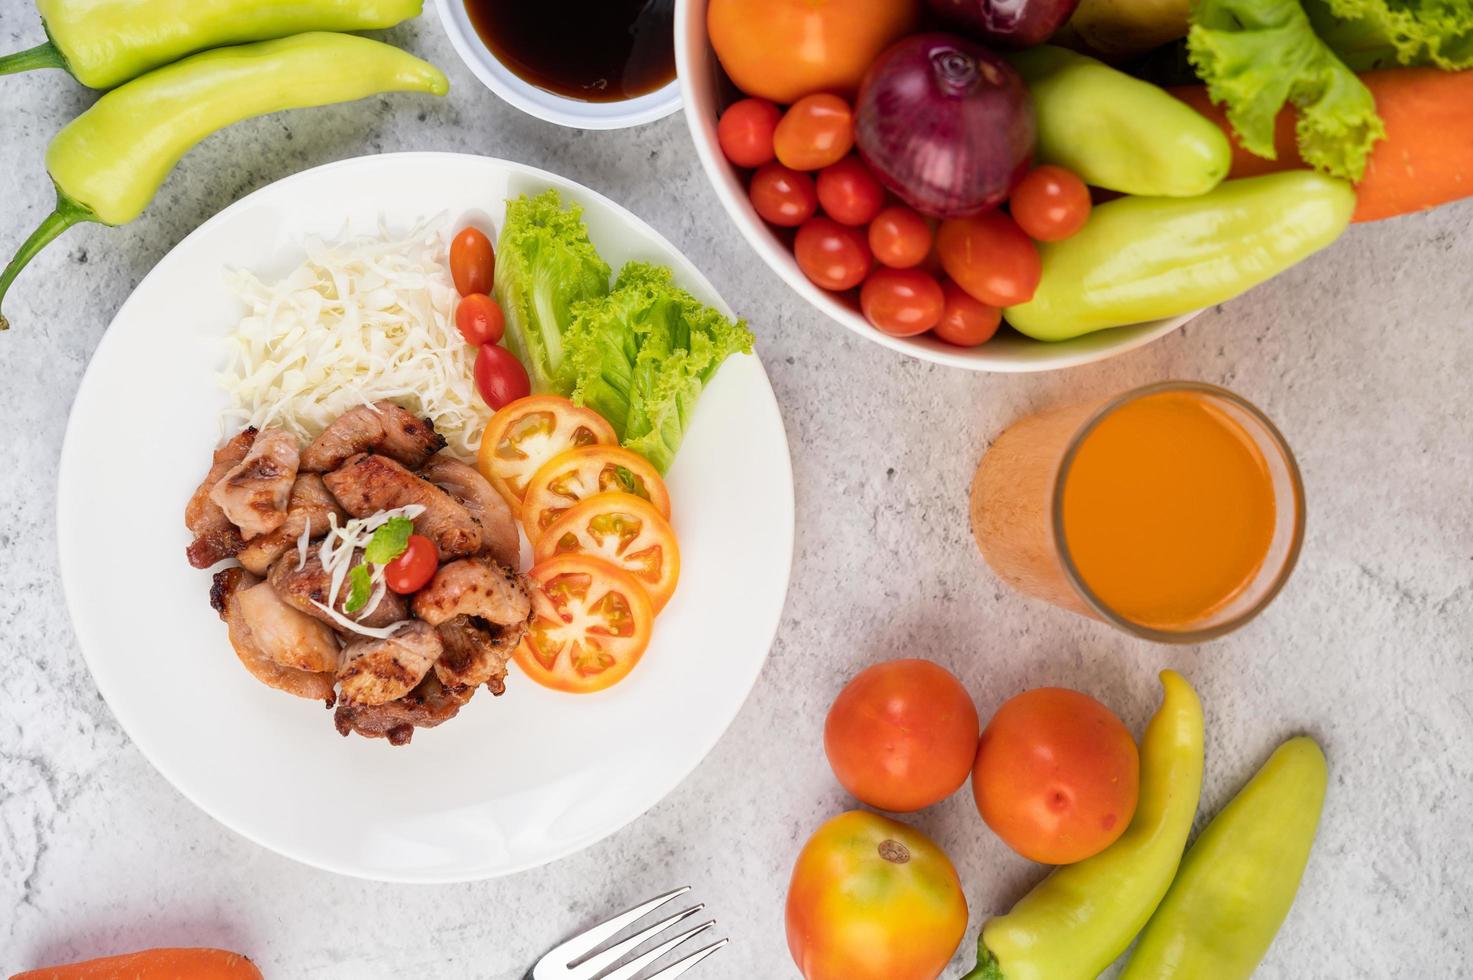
1018,511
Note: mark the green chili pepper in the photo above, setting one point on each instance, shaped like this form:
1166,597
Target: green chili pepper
1144,258
108,163
1119,132
1237,882
1081,917
103,43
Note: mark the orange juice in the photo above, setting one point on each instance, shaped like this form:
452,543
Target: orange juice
1168,509
1173,512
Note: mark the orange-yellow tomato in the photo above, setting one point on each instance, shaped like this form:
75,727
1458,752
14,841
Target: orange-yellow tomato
785,49
1057,775
873,899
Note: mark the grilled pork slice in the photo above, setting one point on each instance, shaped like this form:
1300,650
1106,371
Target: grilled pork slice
476,652
474,587
376,671
310,503
367,484
382,428
226,592
466,486
301,587
215,538
287,636
428,705
254,493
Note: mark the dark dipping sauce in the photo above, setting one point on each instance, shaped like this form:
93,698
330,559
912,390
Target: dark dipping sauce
593,50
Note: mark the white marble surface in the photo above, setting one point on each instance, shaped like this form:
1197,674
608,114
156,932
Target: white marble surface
1363,355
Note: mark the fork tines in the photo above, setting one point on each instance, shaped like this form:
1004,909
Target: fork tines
581,958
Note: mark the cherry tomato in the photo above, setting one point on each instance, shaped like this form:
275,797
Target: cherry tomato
873,899
784,49
530,431
1057,775
472,262
782,196
1050,204
900,237
627,532
409,572
500,377
590,624
582,473
989,256
480,320
902,302
965,321
745,132
849,193
832,255
816,131
902,735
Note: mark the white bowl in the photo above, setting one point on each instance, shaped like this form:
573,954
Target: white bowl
707,90
539,102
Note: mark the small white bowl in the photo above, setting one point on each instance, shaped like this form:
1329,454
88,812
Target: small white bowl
539,102
706,90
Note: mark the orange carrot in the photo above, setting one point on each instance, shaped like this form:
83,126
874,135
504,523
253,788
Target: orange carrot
154,964
1425,160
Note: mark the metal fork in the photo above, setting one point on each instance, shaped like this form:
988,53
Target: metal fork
581,959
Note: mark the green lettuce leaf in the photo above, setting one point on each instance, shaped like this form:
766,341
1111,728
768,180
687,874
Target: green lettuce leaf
1369,34
544,265
389,541
360,588
643,354
1256,55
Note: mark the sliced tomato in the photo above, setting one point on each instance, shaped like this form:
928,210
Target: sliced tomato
590,624
581,473
623,530
528,433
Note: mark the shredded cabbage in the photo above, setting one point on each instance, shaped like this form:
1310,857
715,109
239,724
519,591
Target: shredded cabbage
361,319
336,554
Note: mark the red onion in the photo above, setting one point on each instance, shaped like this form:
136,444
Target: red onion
1008,23
945,124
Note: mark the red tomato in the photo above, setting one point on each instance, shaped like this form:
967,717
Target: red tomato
472,262
902,735
479,319
591,623
832,255
782,196
524,435
990,257
745,131
849,193
900,237
818,130
626,531
409,572
1057,775
902,302
500,377
784,49
965,320
1050,204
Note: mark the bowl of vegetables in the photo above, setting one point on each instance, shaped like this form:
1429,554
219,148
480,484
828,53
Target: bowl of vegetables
984,185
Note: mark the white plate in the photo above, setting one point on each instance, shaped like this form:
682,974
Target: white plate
512,782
